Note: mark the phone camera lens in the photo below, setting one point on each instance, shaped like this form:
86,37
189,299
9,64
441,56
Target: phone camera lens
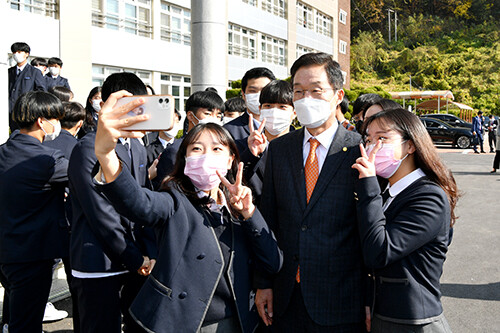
160,100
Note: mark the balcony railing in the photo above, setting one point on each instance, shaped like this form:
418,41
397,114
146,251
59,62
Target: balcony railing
41,7
136,27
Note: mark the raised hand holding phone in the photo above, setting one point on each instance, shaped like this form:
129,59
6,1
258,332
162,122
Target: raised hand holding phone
241,196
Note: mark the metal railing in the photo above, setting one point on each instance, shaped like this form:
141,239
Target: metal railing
136,27
175,36
41,7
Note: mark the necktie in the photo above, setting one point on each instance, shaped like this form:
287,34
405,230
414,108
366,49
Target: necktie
18,71
386,195
312,172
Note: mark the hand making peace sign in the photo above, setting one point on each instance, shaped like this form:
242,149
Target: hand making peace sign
257,141
241,196
366,164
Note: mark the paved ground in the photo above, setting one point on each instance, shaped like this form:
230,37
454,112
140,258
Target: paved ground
471,279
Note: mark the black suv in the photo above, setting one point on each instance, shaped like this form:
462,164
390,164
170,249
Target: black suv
443,132
449,119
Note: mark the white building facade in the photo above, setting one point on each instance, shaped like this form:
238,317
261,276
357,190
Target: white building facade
152,38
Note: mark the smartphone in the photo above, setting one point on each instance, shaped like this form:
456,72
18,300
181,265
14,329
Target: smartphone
160,109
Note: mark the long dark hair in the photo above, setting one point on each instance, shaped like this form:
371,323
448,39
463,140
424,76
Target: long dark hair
181,181
89,124
426,157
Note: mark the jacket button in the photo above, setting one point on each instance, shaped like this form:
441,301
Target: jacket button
183,295
304,227
201,256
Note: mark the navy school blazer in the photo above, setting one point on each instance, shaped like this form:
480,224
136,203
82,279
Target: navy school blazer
30,79
177,294
101,239
240,131
58,81
322,235
32,180
166,162
406,245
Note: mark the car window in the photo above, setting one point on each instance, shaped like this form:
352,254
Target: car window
431,123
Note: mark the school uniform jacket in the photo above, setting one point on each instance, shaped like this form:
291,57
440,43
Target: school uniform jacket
322,235
50,81
101,239
32,179
166,162
177,294
240,131
29,79
406,245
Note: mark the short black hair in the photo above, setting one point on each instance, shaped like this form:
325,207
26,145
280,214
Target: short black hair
73,113
479,112
255,73
363,102
277,91
235,104
36,104
20,47
39,62
63,93
150,88
387,104
204,99
344,105
211,89
122,81
332,67
55,61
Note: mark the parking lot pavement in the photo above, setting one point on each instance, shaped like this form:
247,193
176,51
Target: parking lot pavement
471,277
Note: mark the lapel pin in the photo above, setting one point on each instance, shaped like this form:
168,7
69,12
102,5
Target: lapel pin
344,149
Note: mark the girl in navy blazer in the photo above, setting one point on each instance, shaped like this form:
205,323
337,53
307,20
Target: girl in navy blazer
405,231
207,248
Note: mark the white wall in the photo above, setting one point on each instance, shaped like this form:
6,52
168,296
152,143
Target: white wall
309,38
4,89
237,67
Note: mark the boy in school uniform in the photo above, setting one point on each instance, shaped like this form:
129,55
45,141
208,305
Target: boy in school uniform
53,77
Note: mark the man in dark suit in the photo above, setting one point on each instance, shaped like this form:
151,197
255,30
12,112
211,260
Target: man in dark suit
308,201
23,77
107,251
477,131
53,77
251,84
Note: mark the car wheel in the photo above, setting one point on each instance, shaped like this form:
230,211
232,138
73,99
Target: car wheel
463,142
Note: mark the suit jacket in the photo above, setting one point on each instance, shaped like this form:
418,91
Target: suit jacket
32,179
65,142
240,131
477,126
154,150
101,239
321,236
406,245
166,163
178,292
29,79
253,172
58,81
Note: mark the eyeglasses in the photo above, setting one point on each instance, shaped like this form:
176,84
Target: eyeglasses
316,92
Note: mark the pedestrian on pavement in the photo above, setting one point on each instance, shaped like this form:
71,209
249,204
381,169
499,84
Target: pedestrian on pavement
404,230
496,161
492,130
477,131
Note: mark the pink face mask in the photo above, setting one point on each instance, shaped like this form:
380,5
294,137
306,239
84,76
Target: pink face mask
385,163
201,170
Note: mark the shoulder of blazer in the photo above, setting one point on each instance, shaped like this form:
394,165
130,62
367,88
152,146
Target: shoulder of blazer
422,186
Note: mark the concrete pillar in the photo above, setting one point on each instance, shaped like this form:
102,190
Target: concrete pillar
209,45
75,44
4,88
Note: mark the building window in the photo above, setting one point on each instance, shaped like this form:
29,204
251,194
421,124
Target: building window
273,50
100,73
251,2
125,15
305,16
175,24
41,7
342,47
241,41
276,7
323,24
301,50
343,16
178,86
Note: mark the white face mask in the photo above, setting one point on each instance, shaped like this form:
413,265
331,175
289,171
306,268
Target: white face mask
277,120
54,134
225,120
208,120
172,133
253,102
96,104
19,57
41,68
54,71
312,112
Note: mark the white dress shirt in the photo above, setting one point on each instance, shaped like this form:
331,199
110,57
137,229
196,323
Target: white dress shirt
401,184
325,139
